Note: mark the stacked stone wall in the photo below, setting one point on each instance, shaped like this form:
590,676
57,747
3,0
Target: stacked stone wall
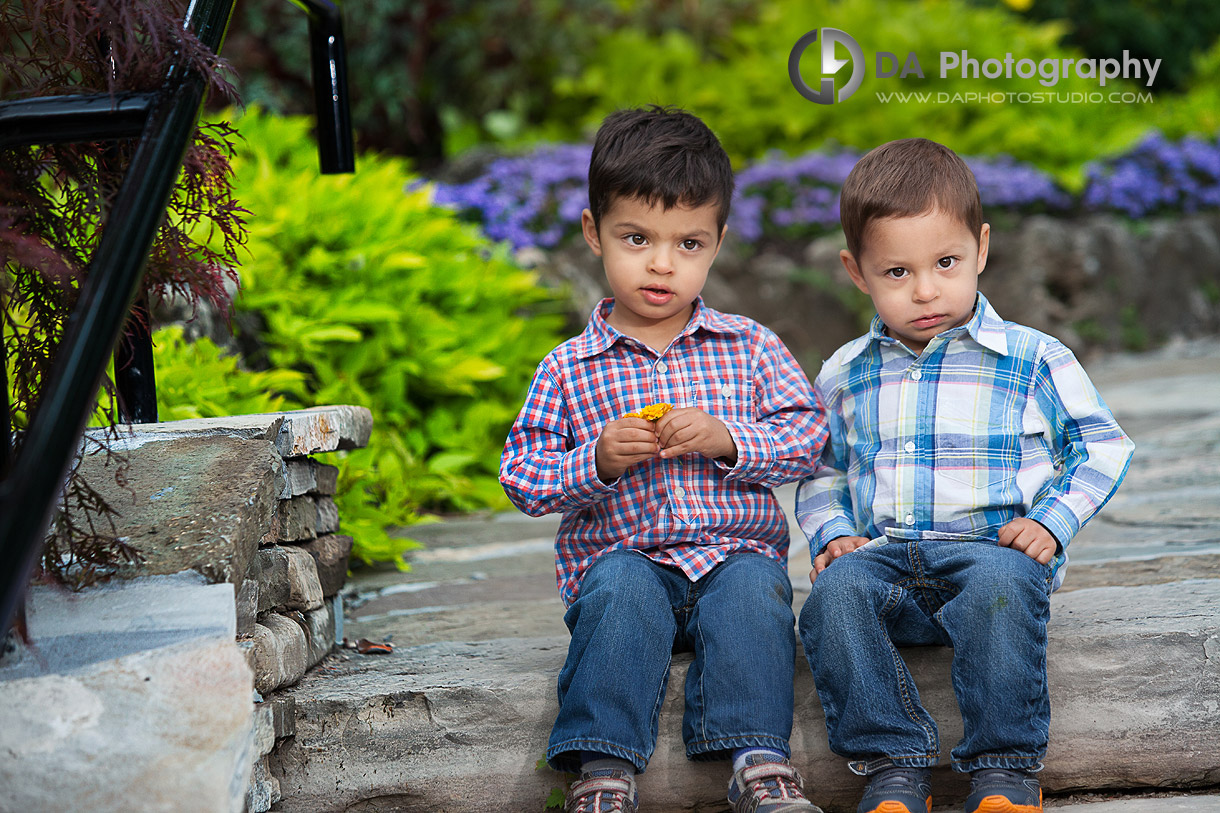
245,500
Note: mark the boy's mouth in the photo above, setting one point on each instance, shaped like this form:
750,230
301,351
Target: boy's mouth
657,295
929,321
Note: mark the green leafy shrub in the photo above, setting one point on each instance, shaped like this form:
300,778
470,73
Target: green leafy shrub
375,297
197,379
744,93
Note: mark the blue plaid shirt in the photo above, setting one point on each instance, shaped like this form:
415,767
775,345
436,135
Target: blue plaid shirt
689,512
991,422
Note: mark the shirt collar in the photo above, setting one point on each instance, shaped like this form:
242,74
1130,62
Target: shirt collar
599,336
985,327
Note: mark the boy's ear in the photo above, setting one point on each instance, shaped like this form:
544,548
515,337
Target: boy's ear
984,245
853,270
589,229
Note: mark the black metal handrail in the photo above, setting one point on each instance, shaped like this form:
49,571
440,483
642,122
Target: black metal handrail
165,122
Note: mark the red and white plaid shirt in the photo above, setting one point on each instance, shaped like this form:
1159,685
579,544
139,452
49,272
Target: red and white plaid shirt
690,512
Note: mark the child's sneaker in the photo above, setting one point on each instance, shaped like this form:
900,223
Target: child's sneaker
606,791
998,790
898,790
764,786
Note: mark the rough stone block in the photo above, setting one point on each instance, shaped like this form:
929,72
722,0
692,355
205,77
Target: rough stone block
298,519
264,790
170,509
279,652
328,516
1135,688
308,476
287,580
283,715
330,554
247,602
160,729
294,434
320,633
262,734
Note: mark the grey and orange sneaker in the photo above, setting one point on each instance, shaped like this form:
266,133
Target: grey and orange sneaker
764,786
898,790
607,791
999,790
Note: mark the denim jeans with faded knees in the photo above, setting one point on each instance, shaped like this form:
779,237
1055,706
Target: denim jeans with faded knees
632,614
990,603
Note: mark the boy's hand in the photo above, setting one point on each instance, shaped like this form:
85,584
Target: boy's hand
834,549
622,444
690,429
1029,537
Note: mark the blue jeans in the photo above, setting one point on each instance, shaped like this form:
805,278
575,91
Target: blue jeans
632,614
989,603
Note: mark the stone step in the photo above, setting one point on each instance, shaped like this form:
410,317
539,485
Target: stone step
443,727
134,697
294,434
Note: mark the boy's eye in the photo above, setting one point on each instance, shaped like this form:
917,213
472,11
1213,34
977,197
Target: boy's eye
691,245
897,273
637,239
945,263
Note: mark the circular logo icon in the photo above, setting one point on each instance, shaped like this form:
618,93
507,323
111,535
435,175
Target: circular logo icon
830,65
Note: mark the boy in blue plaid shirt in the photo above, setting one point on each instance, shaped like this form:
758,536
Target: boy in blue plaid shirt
671,537
965,454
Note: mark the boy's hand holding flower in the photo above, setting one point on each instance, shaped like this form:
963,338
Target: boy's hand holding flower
689,430
622,444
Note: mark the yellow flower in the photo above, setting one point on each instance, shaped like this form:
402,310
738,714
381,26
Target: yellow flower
652,412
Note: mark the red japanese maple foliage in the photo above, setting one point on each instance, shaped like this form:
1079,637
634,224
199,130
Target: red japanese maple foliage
54,202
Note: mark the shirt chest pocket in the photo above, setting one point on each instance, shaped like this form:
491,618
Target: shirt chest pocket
977,446
728,399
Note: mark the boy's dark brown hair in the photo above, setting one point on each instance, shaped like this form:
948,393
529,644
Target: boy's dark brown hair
907,178
659,155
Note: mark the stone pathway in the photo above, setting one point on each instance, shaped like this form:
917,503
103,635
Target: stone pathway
491,578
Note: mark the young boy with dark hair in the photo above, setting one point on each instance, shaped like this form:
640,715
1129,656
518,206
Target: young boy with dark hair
965,453
671,537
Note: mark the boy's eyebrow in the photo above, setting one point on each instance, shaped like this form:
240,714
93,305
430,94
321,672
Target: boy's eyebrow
943,251
636,227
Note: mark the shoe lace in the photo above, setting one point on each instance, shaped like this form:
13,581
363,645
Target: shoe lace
599,802
600,794
772,780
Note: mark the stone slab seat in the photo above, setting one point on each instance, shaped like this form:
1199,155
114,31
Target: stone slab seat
444,727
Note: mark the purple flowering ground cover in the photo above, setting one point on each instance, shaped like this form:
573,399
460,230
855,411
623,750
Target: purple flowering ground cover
535,199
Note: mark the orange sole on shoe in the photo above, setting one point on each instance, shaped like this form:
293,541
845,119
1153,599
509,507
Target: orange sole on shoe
899,807
998,804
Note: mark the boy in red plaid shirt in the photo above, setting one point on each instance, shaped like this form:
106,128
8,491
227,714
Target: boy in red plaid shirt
671,537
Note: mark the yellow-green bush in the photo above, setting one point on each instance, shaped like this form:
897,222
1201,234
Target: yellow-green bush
372,296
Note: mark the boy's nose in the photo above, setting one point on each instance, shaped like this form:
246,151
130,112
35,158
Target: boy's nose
925,288
661,262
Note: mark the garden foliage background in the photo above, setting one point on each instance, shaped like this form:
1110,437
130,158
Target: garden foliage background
399,288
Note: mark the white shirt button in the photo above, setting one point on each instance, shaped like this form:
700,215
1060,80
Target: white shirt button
910,519
910,447
726,390
679,492
661,367
916,375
